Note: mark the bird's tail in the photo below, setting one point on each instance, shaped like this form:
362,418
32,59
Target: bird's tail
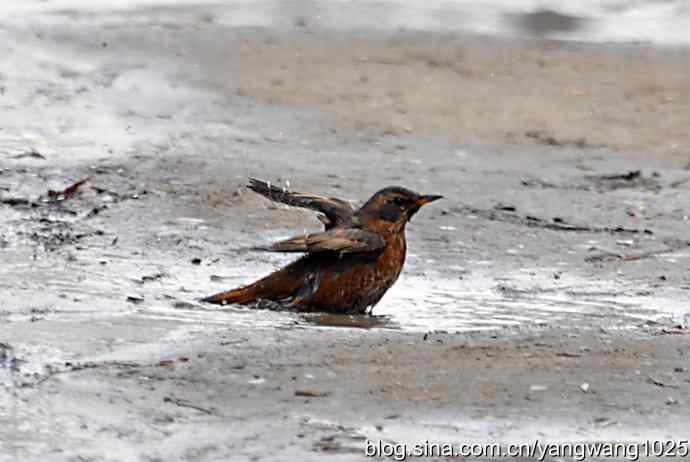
240,295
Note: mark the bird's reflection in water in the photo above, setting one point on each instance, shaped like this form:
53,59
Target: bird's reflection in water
361,321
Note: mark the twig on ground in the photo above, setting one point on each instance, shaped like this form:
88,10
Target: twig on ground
68,191
184,403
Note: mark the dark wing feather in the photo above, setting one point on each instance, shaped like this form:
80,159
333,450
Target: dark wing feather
337,212
335,240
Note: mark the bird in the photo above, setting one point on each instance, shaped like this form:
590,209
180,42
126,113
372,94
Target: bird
347,267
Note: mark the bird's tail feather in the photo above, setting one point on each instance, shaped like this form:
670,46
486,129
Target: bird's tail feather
240,295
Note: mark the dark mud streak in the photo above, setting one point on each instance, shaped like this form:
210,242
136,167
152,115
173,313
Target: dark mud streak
18,202
672,245
543,137
556,224
54,370
633,180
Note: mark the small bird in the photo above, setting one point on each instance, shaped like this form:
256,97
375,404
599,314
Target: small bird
349,266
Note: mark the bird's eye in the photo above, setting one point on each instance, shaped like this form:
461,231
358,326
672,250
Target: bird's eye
399,201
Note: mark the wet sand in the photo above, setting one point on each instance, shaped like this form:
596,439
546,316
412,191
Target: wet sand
552,263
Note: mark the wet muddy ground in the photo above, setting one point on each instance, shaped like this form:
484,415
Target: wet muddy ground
547,296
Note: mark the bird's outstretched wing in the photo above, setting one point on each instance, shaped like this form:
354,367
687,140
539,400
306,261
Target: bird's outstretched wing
350,240
335,211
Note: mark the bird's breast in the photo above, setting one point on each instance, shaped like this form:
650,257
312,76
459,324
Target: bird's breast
392,259
383,270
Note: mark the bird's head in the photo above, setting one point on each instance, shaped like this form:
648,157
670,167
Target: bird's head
394,206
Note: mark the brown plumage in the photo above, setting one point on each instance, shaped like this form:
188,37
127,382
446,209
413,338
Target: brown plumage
349,266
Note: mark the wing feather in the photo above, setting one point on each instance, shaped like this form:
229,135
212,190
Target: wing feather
335,240
335,211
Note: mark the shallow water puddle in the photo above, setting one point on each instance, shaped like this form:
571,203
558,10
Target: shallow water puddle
475,303
460,430
480,303
156,287
504,431
350,321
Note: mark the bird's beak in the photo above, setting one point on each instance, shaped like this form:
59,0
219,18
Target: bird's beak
426,199
419,202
